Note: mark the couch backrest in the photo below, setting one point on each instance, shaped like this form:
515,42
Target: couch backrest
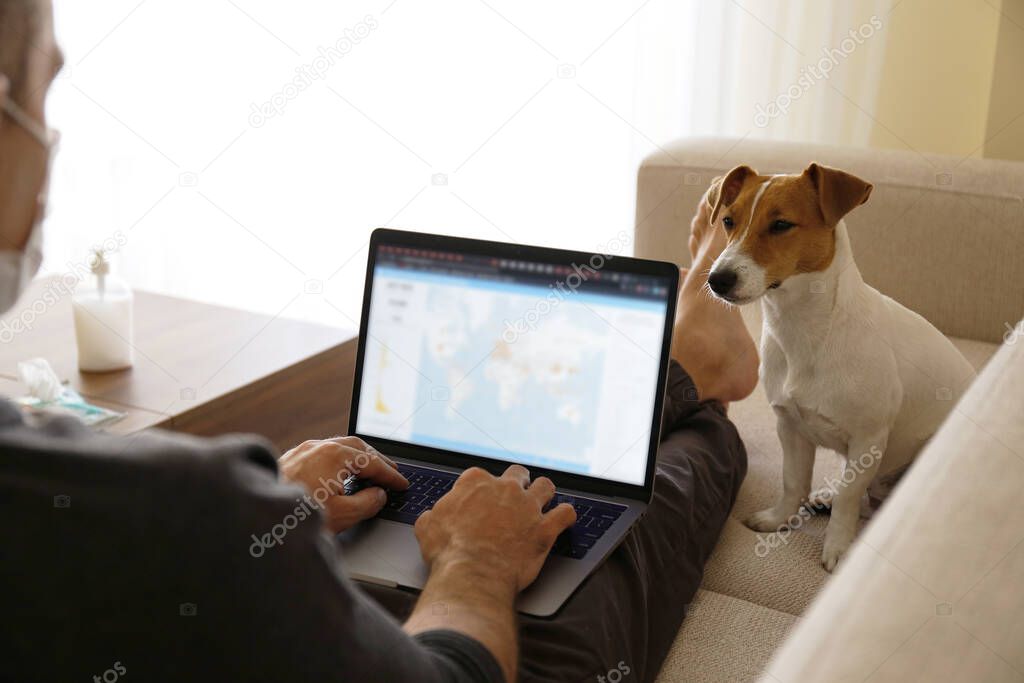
941,235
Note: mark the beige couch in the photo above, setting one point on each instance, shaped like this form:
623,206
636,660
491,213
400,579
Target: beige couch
934,587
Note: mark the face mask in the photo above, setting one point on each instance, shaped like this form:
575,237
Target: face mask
18,267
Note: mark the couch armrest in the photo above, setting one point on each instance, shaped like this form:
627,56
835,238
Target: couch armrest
933,590
944,236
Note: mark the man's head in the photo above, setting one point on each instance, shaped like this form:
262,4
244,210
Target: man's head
777,226
29,60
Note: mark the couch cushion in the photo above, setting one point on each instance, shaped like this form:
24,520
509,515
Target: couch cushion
780,571
716,630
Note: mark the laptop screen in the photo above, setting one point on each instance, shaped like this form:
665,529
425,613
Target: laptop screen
553,365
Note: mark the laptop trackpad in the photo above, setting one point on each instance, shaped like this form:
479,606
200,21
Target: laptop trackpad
383,552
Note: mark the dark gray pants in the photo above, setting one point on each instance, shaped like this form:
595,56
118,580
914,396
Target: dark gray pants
628,612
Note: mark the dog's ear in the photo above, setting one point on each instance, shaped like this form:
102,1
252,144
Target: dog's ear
838,191
711,196
724,191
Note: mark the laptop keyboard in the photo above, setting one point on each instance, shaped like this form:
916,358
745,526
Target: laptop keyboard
426,486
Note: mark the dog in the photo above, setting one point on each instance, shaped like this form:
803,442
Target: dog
844,366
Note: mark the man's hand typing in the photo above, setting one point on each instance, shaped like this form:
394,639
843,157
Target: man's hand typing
485,541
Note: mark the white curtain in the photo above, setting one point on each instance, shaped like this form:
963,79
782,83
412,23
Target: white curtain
709,68
496,119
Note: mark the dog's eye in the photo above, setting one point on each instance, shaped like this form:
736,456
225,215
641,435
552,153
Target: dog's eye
727,222
780,226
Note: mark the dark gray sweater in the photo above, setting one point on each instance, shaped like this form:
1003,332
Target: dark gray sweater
133,557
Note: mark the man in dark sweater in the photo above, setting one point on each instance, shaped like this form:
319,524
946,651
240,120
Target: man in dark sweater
147,557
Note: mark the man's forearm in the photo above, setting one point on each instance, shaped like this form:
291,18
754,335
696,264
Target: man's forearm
462,595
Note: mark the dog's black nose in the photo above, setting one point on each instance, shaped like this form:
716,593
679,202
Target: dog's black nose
722,281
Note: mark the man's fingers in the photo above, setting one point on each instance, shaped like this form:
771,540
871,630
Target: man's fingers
474,476
558,519
336,461
368,502
421,521
542,490
344,511
384,473
518,473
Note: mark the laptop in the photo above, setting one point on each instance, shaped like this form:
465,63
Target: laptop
476,353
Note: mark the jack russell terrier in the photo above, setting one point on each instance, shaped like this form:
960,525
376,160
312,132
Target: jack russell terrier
844,366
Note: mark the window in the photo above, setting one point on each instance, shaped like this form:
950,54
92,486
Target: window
185,128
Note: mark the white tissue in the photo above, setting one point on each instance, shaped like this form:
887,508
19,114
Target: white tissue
41,380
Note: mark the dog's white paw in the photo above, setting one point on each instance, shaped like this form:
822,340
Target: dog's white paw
770,520
821,499
836,545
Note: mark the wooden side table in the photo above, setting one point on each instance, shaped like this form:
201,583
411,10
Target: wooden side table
199,369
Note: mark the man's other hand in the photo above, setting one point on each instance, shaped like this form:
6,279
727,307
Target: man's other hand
495,525
323,466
